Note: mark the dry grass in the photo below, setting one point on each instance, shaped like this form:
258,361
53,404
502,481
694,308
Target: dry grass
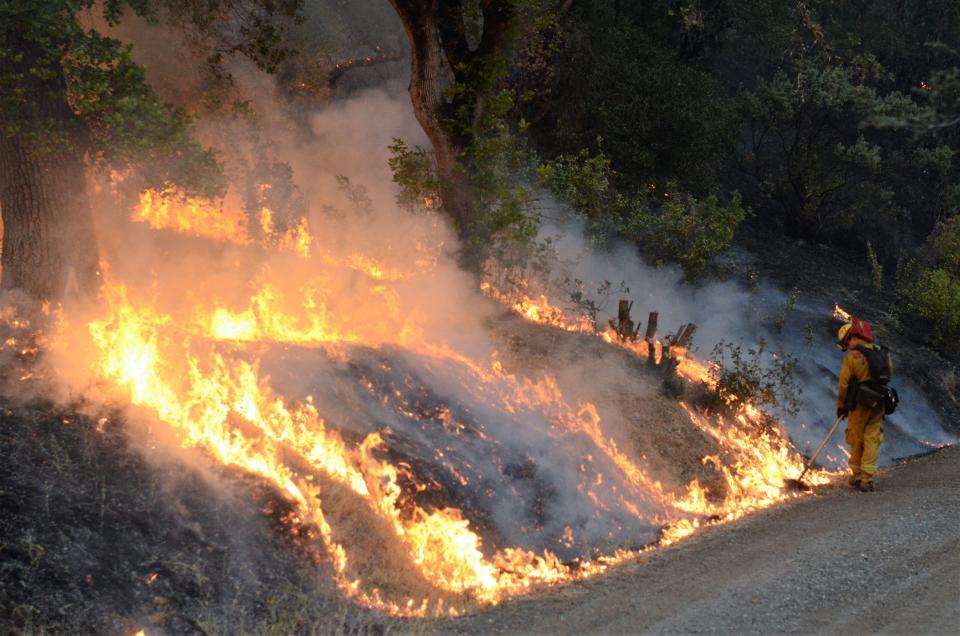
96,539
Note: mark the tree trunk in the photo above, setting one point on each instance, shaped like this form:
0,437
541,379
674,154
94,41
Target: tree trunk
429,71
439,54
49,245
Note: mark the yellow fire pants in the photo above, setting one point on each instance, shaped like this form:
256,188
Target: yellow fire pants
864,434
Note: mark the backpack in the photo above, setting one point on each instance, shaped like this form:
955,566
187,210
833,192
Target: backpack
876,390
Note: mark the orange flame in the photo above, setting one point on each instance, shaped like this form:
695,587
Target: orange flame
196,368
202,394
223,220
197,217
764,457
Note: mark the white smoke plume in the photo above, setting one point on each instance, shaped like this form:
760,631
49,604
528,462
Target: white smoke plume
730,312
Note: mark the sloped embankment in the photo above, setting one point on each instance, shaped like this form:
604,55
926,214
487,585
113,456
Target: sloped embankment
96,539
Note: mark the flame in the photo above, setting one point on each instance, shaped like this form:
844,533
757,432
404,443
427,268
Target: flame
197,217
195,364
191,384
539,309
758,457
840,314
222,220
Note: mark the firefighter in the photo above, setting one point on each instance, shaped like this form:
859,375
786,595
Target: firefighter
865,421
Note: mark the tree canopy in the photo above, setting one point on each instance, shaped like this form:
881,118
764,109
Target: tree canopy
108,110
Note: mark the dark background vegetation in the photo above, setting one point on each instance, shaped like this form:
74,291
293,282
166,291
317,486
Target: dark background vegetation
685,126
681,126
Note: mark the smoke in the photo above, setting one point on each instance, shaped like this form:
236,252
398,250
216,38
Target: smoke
513,455
728,311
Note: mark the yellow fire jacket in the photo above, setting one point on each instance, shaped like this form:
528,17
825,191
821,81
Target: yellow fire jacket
855,365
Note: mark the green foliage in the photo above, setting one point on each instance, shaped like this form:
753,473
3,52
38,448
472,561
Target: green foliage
940,109
127,123
947,245
766,380
928,287
498,163
66,87
626,79
414,172
690,231
780,319
842,116
582,180
936,297
679,228
495,164
258,30
809,158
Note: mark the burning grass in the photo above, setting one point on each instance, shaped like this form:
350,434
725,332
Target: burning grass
98,539
435,479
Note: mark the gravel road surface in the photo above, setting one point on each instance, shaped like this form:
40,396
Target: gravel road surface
837,562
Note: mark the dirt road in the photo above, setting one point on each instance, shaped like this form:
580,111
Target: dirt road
839,562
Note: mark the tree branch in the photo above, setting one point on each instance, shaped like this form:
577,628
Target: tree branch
371,60
453,36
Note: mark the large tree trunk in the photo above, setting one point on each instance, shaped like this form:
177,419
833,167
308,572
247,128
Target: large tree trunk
429,71
49,245
441,54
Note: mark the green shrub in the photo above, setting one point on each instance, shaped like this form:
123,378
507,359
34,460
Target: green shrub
756,376
679,228
690,231
947,245
780,319
936,297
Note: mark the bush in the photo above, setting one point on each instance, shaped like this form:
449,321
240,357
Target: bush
947,245
766,380
690,231
936,297
675,228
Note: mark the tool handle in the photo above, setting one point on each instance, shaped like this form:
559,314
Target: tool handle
826,439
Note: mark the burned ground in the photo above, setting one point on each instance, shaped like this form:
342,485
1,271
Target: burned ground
637,403
101,536
98,539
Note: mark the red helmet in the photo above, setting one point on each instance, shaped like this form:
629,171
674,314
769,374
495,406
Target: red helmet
856,327
861,329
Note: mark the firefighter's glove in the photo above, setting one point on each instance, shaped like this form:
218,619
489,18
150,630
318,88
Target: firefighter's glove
841,412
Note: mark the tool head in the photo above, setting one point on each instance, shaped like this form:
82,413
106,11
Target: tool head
797,484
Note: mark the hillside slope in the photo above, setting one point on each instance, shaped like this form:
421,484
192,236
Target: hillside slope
98,538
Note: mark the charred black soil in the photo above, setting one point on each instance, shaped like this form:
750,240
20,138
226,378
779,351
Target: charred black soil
98,539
